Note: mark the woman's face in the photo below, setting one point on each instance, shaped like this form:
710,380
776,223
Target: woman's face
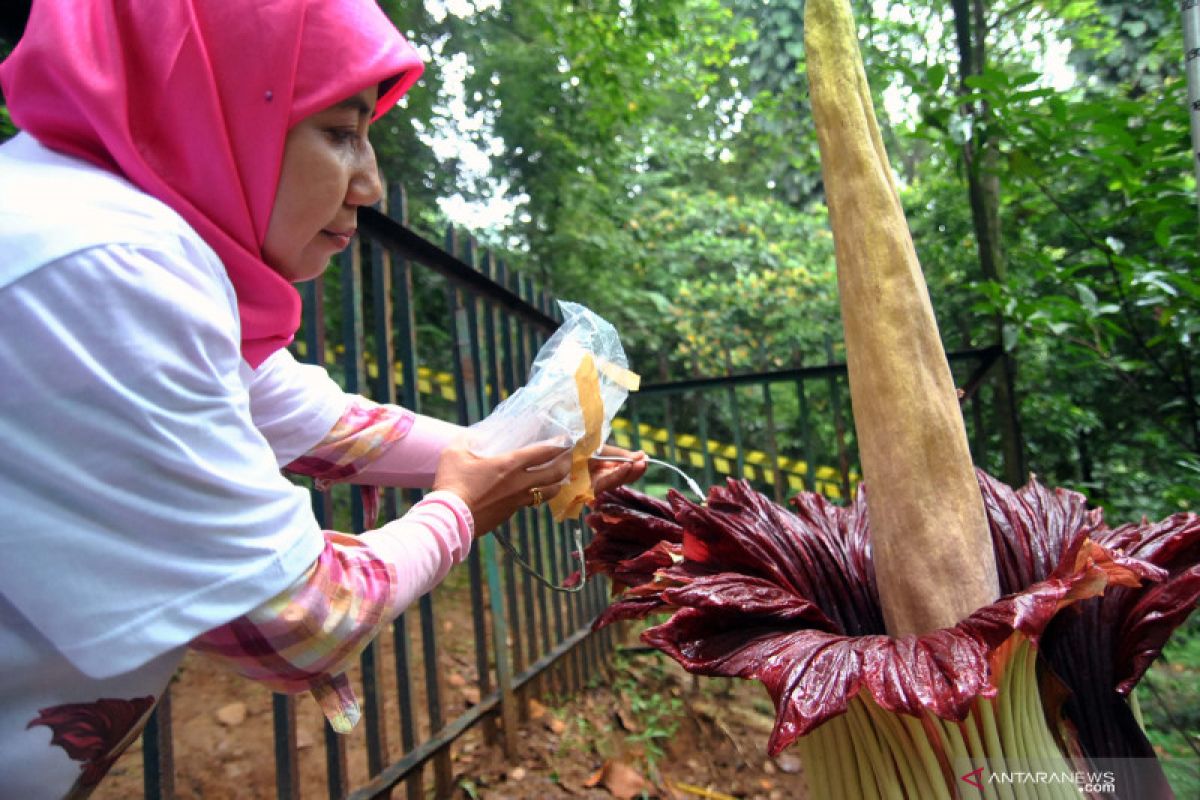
328,172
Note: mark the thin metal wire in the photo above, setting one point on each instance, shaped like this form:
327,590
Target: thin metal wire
695,487
525,565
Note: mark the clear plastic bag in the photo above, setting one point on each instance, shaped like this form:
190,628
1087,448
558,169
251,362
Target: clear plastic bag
548,407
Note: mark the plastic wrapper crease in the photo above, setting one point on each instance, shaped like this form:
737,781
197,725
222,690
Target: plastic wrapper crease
577,384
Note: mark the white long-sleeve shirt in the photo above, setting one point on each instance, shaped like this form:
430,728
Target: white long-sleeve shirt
140,488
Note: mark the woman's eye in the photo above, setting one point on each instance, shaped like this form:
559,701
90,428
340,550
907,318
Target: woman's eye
344,136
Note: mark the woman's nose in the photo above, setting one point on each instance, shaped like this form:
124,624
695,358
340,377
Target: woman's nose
365,187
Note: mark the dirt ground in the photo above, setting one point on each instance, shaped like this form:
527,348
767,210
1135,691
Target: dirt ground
647,730
644,728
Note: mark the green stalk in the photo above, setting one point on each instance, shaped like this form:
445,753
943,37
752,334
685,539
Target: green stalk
1039,727
871,753
868,741
1136,707
952,741
816,768
916,781
928,753
985,710
1012,724
1009,722
852,766
975,745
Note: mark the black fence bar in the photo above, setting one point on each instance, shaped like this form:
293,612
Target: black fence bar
404,331
287,768
442,740
337,779
355,381
705,448
158,755
407,244
777,487
466,384
839,419
687,385
810,467
500,336
383,390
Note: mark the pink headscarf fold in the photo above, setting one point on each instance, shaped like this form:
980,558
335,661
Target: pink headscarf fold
191,101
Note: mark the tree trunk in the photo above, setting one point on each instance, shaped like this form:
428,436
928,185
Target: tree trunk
980,158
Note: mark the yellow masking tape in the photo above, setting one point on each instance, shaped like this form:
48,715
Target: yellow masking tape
578,491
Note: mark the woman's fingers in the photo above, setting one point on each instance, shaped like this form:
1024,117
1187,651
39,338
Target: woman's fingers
541,494
535,455
611,474
548,473
495,487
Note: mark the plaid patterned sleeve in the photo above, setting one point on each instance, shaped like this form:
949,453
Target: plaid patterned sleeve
365,431
304,637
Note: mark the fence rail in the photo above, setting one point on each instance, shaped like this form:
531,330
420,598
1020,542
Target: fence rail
798,419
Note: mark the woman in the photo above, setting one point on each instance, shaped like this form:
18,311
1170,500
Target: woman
182,162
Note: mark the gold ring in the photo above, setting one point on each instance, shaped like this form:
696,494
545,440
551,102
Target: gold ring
538,499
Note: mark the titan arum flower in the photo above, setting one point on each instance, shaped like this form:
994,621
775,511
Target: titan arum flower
943,624
790,598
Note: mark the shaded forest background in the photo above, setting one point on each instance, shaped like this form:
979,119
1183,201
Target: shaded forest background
658,163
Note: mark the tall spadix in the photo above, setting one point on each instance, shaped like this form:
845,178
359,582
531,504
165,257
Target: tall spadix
932,550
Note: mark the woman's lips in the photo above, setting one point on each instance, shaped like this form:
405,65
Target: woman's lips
340,238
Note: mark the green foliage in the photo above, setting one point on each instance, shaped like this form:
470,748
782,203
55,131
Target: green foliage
7,129
666,153
1124,45
1169,697
1098,218
751,265
671,172
1106,294
405,157
655,717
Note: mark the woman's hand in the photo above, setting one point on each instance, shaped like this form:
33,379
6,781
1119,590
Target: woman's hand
611,474
494,487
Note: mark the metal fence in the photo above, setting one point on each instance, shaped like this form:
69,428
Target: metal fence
786,431
363,322
449,331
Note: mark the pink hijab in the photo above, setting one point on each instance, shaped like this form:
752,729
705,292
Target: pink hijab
191,101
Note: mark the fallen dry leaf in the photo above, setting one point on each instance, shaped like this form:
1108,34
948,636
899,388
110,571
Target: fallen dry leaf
621,780
232,714
627,720
305,739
